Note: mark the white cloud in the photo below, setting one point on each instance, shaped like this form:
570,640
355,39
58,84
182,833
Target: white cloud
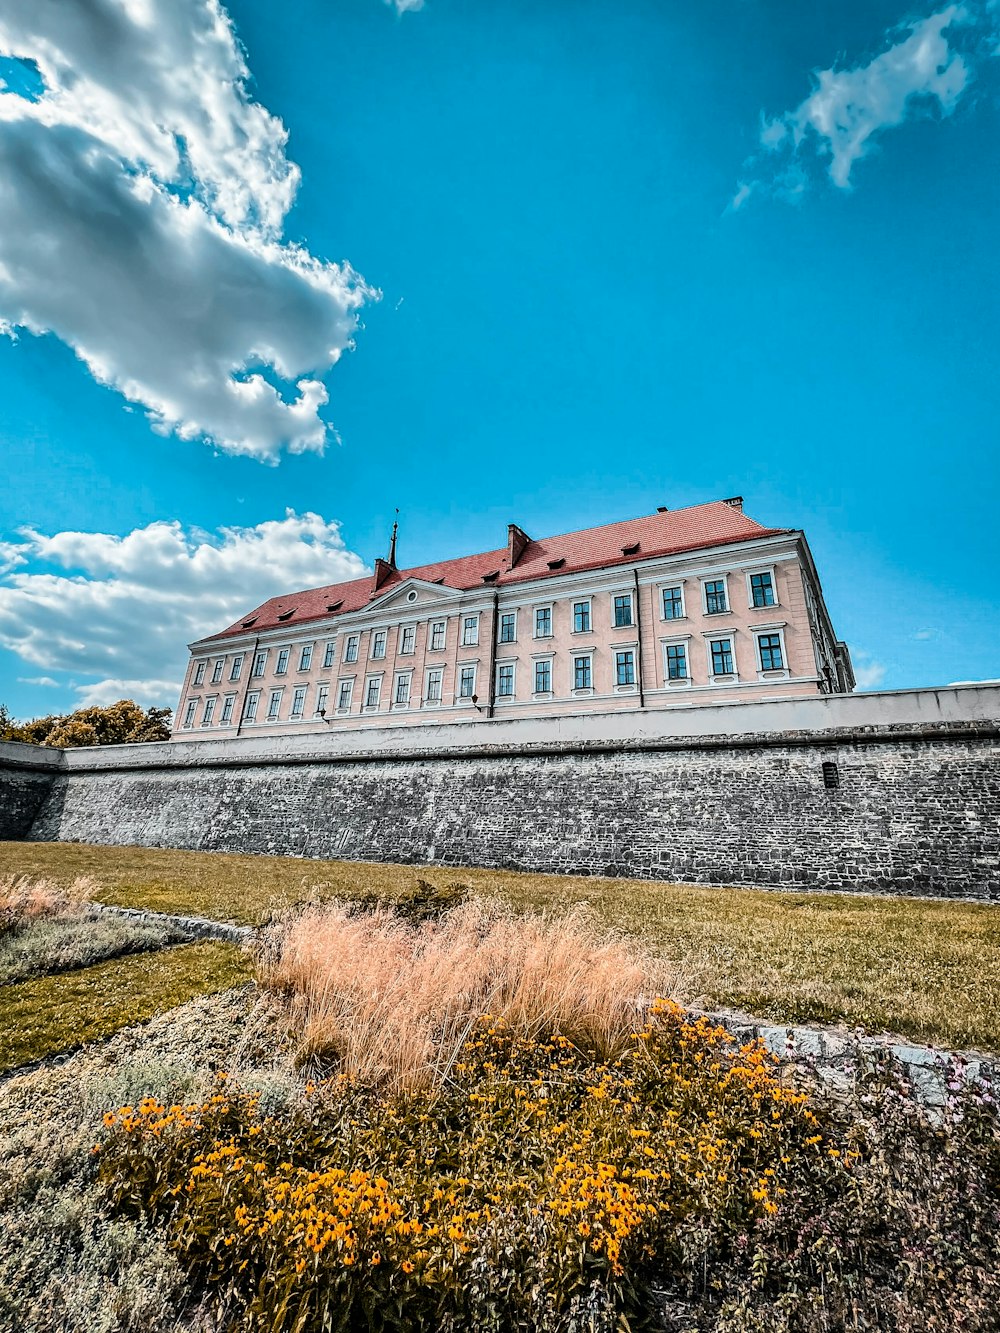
405,6
920,73
142,203
46,682
868,674
118,612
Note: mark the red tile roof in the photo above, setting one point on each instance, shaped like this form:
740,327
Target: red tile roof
715,524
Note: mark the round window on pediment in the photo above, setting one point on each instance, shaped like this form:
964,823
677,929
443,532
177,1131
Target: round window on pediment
411,596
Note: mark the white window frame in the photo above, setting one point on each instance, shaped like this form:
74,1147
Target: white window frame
322,695
536,661
208,712
716,578
584,691
273,713
368,705
463,667
676,641
470,628
250,705
665,587
378,634
217,670
630,594
432,647
548,606
782,672
259,664
502,616
190,711
199,672
502,665
281,665
407,635
306,657
236,670
329,654
625,648
437,671
352,645
727,677
762,569
589,628
298,709
348,684
397,679
228,704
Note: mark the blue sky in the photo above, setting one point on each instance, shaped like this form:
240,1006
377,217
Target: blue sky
600,257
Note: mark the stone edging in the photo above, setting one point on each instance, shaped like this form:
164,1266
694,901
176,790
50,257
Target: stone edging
198,927
832,1055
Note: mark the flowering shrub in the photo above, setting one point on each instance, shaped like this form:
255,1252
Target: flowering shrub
541,1188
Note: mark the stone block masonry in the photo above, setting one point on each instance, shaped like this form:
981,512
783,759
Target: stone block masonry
894,793
26,777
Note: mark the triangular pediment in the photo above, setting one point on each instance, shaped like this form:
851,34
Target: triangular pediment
399,595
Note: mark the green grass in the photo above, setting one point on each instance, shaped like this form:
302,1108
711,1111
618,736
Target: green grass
927,970
48,1015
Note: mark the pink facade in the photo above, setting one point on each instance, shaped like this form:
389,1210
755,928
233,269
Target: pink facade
697,606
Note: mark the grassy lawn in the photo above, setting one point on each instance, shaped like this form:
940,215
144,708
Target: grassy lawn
927,970
57,1013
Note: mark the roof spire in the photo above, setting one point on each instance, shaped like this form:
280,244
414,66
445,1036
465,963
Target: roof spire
392,544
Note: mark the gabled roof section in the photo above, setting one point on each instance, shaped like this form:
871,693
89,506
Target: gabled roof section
717,523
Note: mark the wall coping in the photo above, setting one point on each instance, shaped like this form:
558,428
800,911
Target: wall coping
952,712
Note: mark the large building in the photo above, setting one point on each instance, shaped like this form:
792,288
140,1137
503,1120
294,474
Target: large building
699,605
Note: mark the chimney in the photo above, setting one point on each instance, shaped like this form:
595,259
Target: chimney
735,502
517,540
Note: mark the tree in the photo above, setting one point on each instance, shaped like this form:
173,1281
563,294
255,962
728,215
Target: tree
121,723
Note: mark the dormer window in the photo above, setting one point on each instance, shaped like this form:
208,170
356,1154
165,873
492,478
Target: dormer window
287,615
491,577
557,564
631,550
335,606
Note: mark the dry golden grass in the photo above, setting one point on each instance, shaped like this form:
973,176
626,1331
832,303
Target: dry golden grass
928,970
394,1002
24,899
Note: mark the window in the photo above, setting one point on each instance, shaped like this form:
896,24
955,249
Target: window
715,597
408,640
199,673
299,700
281,666
322,694
351,648
623,609
190,712
260,664
228,703
206,717
543,622
625,668
306,657
761,590
378,644
722,657
582,677
437,636
435,678
250,707
770,652
274,705
505,680
673,604
581,617
344,693
217,670
328,652
373,691
543,677
470,631
467,682
237,667
401,696
508,627
677,666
